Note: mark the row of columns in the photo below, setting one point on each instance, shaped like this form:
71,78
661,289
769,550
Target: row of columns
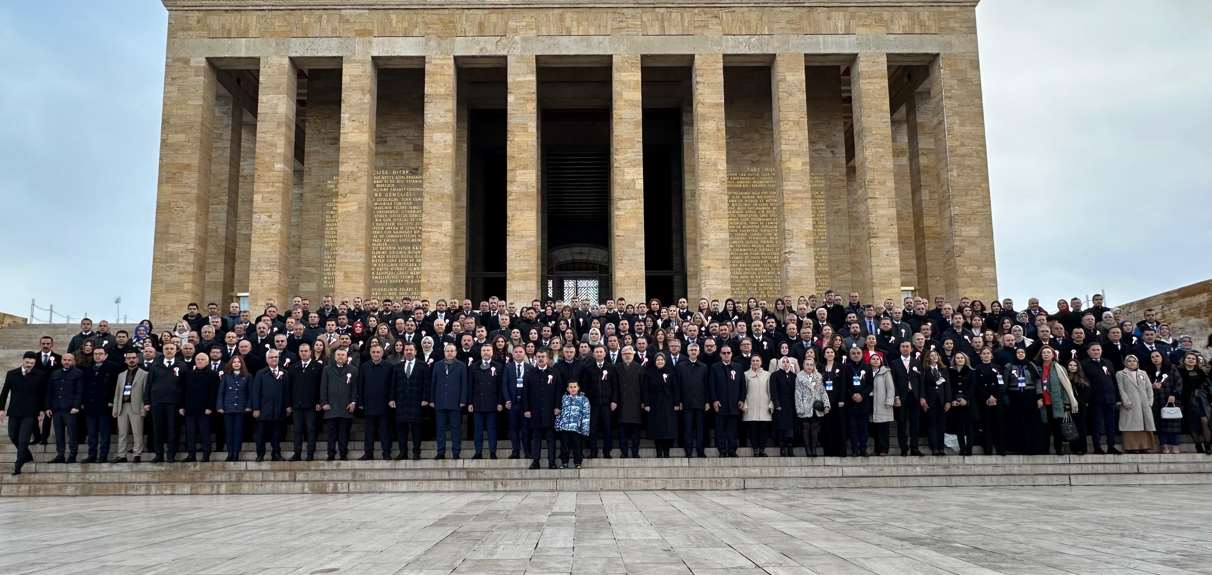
873,264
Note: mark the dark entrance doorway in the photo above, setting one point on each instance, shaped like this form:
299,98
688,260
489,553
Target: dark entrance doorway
485,204
576,203
664,248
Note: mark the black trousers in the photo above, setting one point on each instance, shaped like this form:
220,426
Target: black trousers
233,433
629,439
306,427
881,437
908,425
1079,420
65,433
692,431
405,429
725,433
197,431
936,424
42,432
833,431
811,429
992,428
338,435
1103,421
759,433
856,430
98,434
269,431
600,428
164,430
537,436
570,446
379,424
20,431
519,434
1054,430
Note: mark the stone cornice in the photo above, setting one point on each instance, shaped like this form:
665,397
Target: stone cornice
500,4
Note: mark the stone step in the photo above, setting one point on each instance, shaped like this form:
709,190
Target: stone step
25,337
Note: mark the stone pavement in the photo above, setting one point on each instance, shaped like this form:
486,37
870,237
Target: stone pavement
968,531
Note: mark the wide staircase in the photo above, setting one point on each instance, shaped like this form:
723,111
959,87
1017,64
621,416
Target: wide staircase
18,339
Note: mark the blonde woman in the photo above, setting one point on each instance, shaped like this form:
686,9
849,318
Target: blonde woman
883,401
758,407
809,397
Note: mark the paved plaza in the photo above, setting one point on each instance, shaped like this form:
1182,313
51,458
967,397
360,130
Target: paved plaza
966,531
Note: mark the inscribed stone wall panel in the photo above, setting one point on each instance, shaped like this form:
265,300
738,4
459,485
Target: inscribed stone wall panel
754,215
395,245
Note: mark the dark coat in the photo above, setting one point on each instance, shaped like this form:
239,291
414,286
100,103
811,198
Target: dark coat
988,381
908,381
661,395
782,387
337,389
97,388
164,383
728,387
200,388
409,390
936,386
486,388
856,378
512,387
693,381
541,397
373,389
270,395
831,379
63,390
450,385
1101,375
631,392
233,393
600,384
305,384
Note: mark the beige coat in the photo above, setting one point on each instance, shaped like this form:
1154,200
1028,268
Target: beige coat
884,395
1136,401
136,390
757,396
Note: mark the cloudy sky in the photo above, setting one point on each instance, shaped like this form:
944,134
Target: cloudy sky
1098,112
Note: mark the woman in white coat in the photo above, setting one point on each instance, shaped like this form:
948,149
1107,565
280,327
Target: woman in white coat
1135,407
883,400
758,406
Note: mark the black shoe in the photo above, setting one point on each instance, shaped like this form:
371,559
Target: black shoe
206,458
416,454
439,457
551,465
917,453
16,470
189,459
1114,451
275,458
563,465
477,456
578,466
534,464
310,457
260,458
71,459
88,460
231,457
592,455
159,459
492,455
1208,448
366,457
635,454
330,457
296,457
606,455
344,457
58,459
513,455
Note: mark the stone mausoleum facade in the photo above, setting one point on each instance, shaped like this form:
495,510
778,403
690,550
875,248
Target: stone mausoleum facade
523,148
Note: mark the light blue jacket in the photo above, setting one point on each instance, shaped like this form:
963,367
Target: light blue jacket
574,414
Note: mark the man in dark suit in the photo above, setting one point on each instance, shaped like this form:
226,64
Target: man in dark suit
485,399
162,399
97,403
48,362
305,400
541,400
449,393
515,383
727,395
63,406
1104,394
693,381
907,376
27,388
409,393
600,380
372,394
270,402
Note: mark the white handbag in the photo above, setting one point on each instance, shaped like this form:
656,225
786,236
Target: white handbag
1171,412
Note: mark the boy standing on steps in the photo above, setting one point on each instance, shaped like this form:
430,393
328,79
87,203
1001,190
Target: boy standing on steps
572,424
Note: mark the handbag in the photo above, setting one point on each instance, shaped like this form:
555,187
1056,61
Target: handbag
1068,428
1171,412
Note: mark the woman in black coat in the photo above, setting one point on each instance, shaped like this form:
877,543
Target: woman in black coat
833,427
936,400
963,402
782,382
660,401
631,402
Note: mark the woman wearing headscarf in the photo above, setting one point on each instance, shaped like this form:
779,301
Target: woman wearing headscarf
1023,426
1135,406
811,403
660,404
782,382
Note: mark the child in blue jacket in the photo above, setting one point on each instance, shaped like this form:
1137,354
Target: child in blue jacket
572,424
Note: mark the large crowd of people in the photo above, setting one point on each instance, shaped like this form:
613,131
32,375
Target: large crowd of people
812,376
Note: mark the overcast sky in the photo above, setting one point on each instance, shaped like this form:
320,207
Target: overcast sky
1098,115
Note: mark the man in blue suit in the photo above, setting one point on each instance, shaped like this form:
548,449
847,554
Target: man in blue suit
450,392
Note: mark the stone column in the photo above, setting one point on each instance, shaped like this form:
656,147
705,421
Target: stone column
355,176
269,264
878,259
923,177
437,222
711,177
791,156
905,232
183,195
627,270
959,132
522,245
827,178
224,197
